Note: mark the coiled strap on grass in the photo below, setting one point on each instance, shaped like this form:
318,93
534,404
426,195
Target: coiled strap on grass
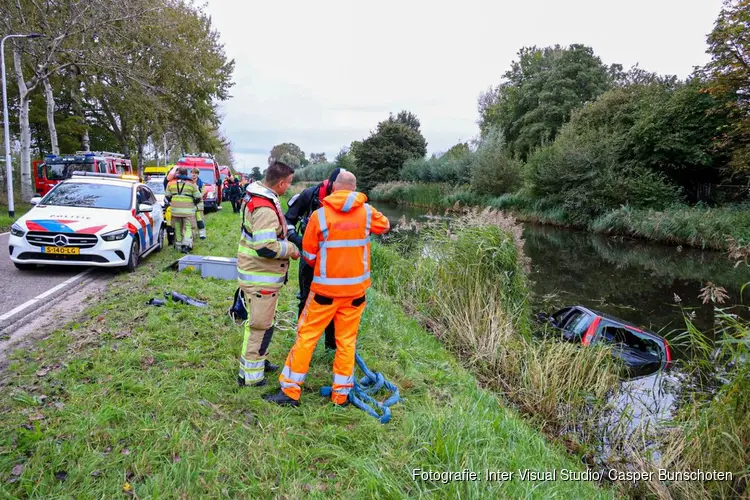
362,393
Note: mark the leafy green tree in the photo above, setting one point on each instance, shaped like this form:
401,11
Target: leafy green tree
540,92
383,153
407,118
290,152
316,158
345,159
664,125
729,46
458,151
256,174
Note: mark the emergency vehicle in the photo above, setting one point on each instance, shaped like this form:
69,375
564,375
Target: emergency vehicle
92,219
209,174
56,168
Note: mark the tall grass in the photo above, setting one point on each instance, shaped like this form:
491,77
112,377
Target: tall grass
470,288
680,225
712,426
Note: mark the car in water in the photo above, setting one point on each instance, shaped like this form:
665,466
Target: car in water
103,220
636,347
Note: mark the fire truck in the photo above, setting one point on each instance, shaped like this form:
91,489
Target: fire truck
209,175
56,168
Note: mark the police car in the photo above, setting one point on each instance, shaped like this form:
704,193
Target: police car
104,220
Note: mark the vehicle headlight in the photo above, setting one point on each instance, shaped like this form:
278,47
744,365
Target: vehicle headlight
17,230
118,234
211,195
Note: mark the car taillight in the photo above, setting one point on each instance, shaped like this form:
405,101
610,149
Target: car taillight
668,352
591,331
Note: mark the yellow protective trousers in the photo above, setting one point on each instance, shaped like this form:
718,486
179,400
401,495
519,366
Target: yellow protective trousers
261,308
346,313
183,232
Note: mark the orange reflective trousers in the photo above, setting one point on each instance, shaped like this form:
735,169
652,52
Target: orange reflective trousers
346,313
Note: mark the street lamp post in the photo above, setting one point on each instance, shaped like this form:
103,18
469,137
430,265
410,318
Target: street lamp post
8,166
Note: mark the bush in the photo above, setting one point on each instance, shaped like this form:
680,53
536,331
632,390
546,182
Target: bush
421,195
314,173
581,175
495,172
444,169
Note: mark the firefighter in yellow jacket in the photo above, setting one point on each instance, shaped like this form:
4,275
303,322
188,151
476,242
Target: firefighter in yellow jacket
262,264
183,196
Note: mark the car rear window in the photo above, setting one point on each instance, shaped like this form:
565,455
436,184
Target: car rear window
90,195
617,335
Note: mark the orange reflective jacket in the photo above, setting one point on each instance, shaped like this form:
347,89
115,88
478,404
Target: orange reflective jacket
337,244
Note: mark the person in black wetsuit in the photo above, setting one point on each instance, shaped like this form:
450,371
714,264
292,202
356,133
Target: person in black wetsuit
300,208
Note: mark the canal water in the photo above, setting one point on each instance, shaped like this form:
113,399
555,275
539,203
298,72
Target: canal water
647,284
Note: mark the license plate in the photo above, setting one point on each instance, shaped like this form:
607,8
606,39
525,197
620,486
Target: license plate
62,250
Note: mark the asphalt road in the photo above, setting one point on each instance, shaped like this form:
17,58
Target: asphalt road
16,287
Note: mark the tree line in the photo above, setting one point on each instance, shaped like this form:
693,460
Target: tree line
117,75
565,130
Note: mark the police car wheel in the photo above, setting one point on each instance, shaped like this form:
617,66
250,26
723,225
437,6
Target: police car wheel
135,253
160,241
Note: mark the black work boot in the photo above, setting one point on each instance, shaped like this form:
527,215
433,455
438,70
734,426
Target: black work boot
241,382
270,367
280,399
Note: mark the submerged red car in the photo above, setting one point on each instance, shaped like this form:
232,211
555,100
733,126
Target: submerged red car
636,347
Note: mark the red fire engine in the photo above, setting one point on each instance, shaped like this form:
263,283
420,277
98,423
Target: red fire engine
56,168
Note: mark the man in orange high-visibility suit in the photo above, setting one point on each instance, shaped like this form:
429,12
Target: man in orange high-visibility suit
337,245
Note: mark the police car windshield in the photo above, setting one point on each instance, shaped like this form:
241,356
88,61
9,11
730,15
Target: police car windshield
156,186
90,195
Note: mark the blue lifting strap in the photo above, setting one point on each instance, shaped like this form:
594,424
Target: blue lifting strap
363,390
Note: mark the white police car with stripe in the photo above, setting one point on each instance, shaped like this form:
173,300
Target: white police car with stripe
104,220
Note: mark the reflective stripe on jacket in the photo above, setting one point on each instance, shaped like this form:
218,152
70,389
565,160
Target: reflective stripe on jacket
183,197
263,252
337,244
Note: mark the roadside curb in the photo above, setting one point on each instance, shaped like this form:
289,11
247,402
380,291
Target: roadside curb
27,308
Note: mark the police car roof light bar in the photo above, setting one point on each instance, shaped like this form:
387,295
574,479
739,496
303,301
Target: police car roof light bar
104,176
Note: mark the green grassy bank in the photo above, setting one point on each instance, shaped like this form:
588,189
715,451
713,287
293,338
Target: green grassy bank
5,220
142,400
700,227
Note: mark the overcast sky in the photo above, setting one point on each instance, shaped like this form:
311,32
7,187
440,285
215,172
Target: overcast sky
323,74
